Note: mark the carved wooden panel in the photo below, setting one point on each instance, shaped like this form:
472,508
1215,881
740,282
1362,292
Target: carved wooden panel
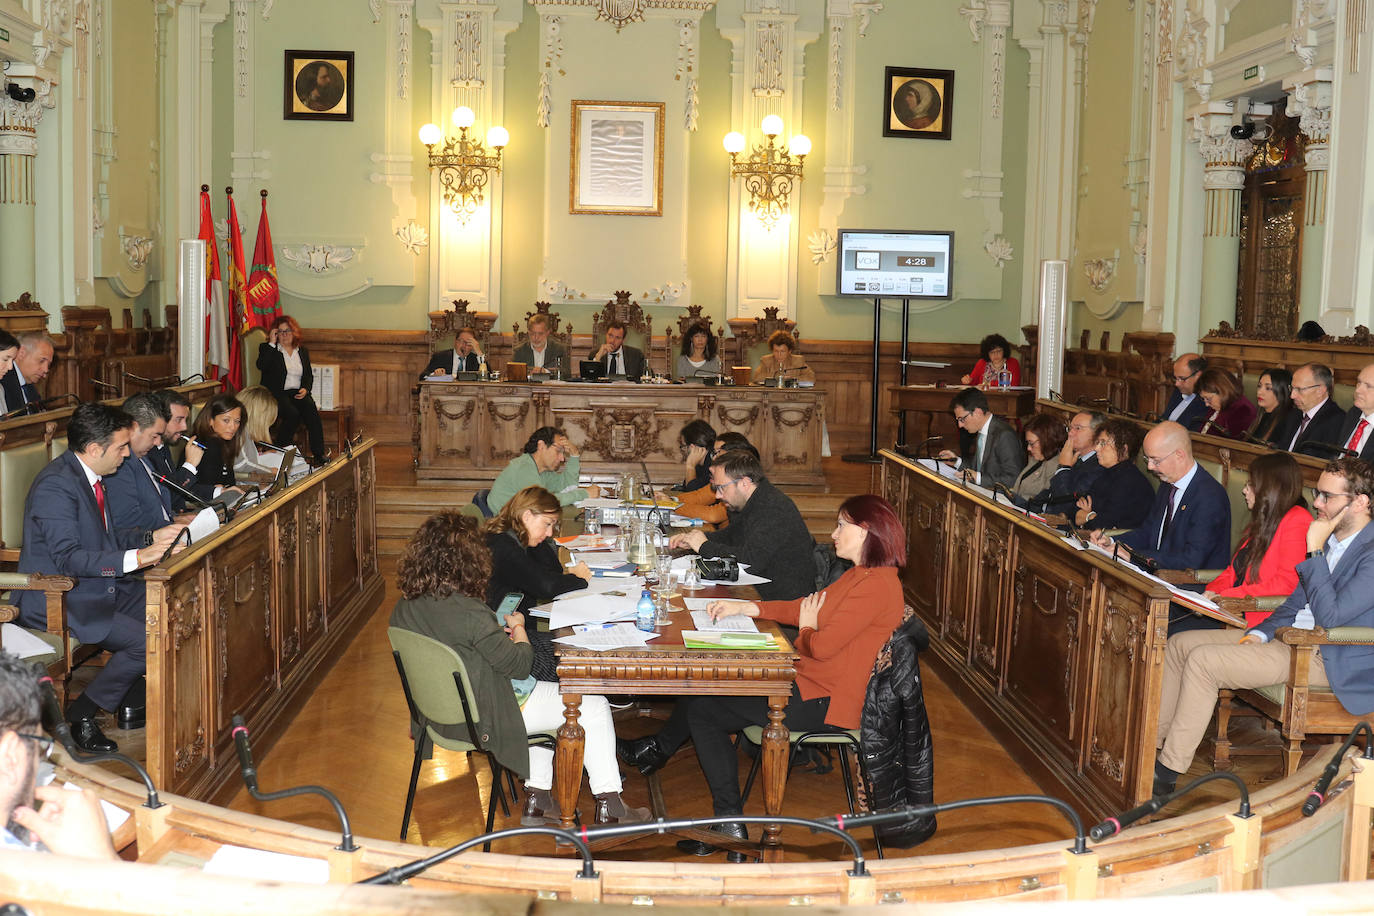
311,564
923,577
451,423
341,561
1120,663
991,563
508,415
962,566
795,429
241,594
187,692
367,514
290,608
625,431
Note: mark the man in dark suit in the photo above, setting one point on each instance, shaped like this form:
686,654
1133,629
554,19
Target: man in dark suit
466,356
990,450
1189,525
160,455
1359,420
1078,465
31,365
615,357
538,352
68,532
138,503
1315,427
1185,405
1335,589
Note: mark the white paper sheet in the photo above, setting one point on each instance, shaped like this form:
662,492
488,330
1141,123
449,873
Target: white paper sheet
605,559
203,525
20,643
239,862
601,638
592,609
737,622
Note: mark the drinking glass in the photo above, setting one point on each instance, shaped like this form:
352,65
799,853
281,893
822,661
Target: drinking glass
691,582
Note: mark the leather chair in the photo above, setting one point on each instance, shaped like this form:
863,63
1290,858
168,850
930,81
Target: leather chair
67,651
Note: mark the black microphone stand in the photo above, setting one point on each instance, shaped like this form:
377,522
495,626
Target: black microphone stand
250,779
1317,796
1114,825
52,710
896,815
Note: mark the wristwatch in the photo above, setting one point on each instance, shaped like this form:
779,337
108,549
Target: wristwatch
1319,552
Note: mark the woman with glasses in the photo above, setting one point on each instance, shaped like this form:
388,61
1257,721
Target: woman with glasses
1229,412
1274,542
1121,495
1274,396
1045,435
994,357
702,502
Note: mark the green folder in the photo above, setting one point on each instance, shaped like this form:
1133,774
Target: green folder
727,639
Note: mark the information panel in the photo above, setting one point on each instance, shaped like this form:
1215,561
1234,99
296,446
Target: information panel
896,263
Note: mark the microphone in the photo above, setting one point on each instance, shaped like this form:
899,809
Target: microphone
221,510
52,711
656,511
105,385
1056,396
1339,451
1258,441
250,779
930,440
173,546
1317,796
1114,825
194,375
152,383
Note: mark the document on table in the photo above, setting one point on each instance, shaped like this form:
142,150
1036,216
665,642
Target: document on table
604,559
600,608
203,525
241,862
607,636
736,622
585,542
944,470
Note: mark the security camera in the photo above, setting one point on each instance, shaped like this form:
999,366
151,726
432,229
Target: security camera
1242,131
19,93
1261,132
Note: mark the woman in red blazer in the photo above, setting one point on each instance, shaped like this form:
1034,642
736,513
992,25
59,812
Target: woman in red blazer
994,355
842,628
1275,541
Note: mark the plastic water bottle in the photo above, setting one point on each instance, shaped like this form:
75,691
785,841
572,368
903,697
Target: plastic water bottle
1004,379
645,613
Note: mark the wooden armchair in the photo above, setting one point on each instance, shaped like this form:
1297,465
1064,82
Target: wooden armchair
561,335
639,327
65,648
672,338
445,325
752,332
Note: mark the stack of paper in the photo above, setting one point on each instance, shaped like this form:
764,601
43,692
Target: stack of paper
599,608
601,637
735,622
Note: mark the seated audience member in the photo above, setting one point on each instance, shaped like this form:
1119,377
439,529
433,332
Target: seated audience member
782,358
989,450
9,349
766,531
31,363
443,578
219,434
1274,542
1274,397
160,456
542,355
842,628
284,362
616,356
1045,436
1359,419
464,356
1189,525
1335,588
1184,405
1078,464
1315,425
1229,412
259,413
1120,497
137,502
69,823
68,532
525,559
1310,332
550,461
698,356
702,502
696,440
994,356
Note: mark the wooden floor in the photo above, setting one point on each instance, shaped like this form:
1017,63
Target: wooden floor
352,737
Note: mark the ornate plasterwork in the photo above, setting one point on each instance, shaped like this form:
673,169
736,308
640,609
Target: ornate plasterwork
1192,42
467,47
413,236
1000,250
1140,245
836,61
558,291
1099,272
659,295
769,79
687,34
974,12
267,9
1307,14
376,7
1309,100
320,258
136,249
864,11
241,27
403,52
551,29
822,245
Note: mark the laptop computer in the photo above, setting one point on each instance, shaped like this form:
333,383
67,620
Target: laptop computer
591,369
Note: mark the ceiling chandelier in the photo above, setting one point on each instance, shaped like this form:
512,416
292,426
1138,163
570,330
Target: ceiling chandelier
465,166
770,170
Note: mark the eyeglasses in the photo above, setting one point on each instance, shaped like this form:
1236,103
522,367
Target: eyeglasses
43,741
1319,496
960,419
1150,459
1184,378
1308,387
719,488
1100,444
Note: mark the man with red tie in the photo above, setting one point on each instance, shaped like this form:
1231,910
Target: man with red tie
68,531
1359,420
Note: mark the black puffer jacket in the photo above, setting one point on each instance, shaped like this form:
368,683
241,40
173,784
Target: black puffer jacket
899,758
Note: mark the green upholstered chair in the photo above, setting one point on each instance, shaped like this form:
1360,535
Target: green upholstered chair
438,692
18,467
471,510
66,649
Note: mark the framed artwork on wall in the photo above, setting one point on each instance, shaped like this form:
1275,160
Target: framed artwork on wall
318,86
617,158
919,103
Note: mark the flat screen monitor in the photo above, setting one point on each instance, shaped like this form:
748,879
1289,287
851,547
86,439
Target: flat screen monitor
895,263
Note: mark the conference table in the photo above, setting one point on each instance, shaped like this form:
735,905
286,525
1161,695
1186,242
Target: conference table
668,668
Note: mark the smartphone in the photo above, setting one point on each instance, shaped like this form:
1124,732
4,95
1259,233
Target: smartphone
509,605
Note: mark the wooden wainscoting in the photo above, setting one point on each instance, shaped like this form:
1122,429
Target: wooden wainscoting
377,370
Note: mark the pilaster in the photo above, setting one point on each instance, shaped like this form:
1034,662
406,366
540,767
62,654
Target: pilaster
1223,179
1309,100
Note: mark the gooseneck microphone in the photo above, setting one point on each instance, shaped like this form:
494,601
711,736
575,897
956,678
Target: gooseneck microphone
52,711
221,510
250,779
1114,825
930,441
1317,796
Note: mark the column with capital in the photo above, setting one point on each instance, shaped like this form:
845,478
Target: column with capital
18,167
1223,179
1309,100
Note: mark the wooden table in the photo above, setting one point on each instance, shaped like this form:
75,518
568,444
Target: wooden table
668,668
929,401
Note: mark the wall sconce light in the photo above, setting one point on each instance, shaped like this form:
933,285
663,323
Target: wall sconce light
769,171
465,166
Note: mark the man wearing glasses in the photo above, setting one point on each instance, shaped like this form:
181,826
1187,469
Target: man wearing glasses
69,823
550,461
1316,425
1078,464
1335,589
1184,404
990,450
1359,420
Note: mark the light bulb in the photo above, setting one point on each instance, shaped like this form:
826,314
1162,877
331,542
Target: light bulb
498,137
430,134
800,145
734,142
772,126
463,116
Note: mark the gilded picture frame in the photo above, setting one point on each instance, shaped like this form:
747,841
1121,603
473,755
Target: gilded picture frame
616,165
318,86
919,103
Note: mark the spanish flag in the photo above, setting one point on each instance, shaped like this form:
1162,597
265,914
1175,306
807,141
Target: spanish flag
237,322
263,297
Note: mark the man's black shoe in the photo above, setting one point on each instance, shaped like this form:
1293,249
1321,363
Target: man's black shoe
698,848
131,717
88,736
642,753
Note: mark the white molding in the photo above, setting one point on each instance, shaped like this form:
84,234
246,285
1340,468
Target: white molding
249,163
393,164
551,42
318,258
689,35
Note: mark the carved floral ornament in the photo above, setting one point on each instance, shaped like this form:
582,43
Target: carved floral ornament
320,258
621,13
1099,272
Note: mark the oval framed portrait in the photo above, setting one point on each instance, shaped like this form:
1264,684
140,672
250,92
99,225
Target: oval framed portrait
318,86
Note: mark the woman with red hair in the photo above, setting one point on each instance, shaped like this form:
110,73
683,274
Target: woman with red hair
284,363
842,628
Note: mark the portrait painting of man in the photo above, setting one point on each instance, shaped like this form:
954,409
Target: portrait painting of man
319,86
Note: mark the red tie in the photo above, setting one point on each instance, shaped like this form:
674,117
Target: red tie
1354,443
100,501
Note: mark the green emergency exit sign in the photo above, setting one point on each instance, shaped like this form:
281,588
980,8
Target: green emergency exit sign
1251,72
4,34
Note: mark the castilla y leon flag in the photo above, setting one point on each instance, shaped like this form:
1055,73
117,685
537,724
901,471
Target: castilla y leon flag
236,304
216,319
263,298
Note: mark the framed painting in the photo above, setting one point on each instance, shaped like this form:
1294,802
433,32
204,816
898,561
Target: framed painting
617,158
919,103
318,86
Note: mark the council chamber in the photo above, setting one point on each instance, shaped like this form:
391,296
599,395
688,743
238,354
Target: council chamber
684,452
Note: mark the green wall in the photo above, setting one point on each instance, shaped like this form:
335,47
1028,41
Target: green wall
1252,17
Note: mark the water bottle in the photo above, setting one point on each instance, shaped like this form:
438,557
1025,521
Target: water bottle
1004,379
645,614
481,366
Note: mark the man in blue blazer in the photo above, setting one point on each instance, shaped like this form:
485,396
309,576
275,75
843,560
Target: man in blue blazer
68,532
160,456
1185,405
137,502
1335,589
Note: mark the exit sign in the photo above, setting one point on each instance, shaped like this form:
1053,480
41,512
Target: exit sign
1252,72
4,34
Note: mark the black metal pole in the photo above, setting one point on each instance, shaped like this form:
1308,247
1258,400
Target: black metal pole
901,417
872,456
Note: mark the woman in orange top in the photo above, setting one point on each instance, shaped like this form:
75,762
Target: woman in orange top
842,628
